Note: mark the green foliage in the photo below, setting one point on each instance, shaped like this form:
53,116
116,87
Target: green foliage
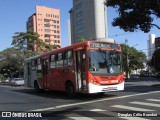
12,64
136,58
26,44
81,39
155,60
135,14
1,77
29,40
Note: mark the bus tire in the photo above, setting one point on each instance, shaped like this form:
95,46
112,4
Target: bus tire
70,90
101,94
36,87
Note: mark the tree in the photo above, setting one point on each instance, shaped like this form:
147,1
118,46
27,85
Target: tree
155,59
12,64
135,14
29,40
136,59
81,38
50,47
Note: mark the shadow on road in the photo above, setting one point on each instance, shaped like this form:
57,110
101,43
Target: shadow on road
136,88
62,95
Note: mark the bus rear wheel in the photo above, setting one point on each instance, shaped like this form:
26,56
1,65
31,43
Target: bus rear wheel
70,91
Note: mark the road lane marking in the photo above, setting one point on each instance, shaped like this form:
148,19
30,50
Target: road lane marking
154,100
134,118
81,118
130,108
97,110
145,103
93,101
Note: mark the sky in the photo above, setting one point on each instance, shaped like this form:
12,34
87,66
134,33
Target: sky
14,14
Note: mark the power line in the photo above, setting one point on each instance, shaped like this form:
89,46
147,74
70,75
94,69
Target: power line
116,35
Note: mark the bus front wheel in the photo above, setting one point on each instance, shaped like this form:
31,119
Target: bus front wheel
70,91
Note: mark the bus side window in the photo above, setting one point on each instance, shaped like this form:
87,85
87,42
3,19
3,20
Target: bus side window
53,61
60,60
39,66
68,58
33,64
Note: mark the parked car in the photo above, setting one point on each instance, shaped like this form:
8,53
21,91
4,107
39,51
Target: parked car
153,75
144,75
158,75
134,76
17,81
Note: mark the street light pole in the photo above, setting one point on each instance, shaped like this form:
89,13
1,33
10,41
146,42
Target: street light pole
127,59
127,66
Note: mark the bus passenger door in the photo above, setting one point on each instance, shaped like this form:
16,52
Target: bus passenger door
80,70
45,72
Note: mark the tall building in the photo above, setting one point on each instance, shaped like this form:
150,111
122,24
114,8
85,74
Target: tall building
151,45
88,20
46,22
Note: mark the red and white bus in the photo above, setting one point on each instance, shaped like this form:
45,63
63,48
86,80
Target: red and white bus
86,67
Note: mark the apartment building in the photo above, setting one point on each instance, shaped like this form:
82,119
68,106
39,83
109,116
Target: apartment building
46,22
88,19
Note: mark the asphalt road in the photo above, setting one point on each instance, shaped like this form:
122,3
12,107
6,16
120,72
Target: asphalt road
140,100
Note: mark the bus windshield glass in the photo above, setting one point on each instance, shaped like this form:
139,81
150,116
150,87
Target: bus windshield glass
103,62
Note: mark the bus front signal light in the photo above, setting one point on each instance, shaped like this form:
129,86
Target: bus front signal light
93,81
121,79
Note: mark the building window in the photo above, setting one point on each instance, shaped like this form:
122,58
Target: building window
79,14
47,35
79,6
79,31
46,20
54,26
46,25
47,30
79,22
47,40
57,21
54,21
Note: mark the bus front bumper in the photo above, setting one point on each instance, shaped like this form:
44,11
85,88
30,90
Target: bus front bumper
92,88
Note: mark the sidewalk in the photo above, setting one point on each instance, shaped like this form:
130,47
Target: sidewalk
145,81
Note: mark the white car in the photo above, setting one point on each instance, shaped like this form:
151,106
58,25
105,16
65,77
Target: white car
17,81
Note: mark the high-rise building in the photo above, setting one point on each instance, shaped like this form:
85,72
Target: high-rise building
88,20
151,45
46,22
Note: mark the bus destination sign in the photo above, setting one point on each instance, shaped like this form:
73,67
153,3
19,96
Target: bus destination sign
104,45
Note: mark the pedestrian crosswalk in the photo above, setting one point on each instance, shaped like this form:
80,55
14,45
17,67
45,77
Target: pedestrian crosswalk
156,100
131,108
137,110
145,103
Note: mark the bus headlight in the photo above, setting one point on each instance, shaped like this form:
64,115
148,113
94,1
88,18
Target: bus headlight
93,81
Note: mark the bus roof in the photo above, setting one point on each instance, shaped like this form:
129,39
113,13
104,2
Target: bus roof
86,42
31,58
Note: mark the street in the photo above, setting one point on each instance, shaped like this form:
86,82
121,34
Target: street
140,100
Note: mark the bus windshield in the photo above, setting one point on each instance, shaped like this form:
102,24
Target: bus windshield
103,62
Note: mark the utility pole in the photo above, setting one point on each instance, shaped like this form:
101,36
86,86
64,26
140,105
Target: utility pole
127,62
